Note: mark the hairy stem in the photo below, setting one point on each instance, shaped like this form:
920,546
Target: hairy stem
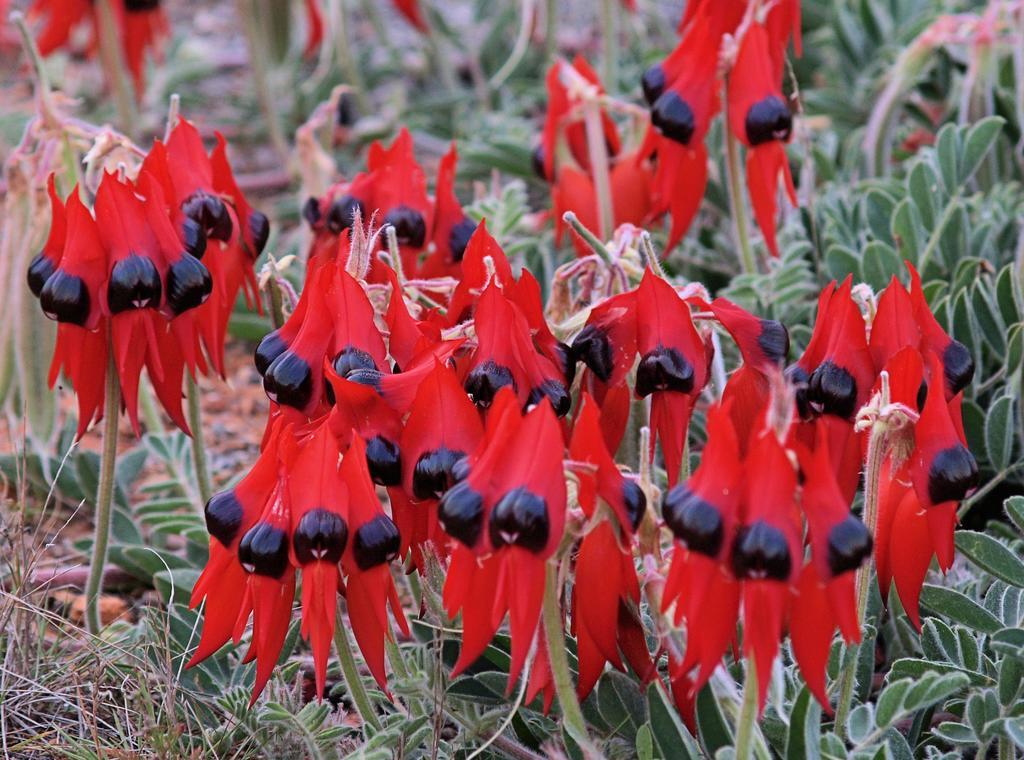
195,423
356,688
748,715
877,449
104,495
572,715
113,65
598,153
737,207
610,38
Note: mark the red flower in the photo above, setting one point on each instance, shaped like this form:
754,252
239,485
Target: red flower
606,595
508,515
71,295
760,118
673,365
441,431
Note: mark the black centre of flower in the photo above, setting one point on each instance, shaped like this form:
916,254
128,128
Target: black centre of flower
134,284
760,552
263,550
953,473
663,369
566,362
377,542
139,6
832,390
39,271
537,162
694,521
210,212
635,501
289,381
384,461
774,340
958,366
593,348
350,359
461,513
320,536
368,377
65,298
520,518
346,115
653,83
849,544
432,474
555,392
410,227
485,380
673,117
342,213
311,211
459,237
271,347
767,120
193,237
798,378
259,230
188,284
224,514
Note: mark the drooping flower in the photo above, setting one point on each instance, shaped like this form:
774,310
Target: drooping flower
606,595
508,515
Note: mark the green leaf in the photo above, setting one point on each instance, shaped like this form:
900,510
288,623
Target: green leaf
946,150
890,702
860,723
955,733
802,741
923,187
958,607
1006,295
670,735
879,264
644,744
841,261
1014,507
1015,348
907,230
620,703
990,323
999,432
714,731
991,556
1009,642
980,139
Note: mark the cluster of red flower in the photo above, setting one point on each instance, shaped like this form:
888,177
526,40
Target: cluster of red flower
153,277
733,41
774,453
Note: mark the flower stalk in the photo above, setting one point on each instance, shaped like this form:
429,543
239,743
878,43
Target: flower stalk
744,747
737,208
104,495
113,64
555,637
356,688
195,424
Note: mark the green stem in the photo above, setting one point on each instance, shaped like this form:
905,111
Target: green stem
32,50
356,689
256,42
877,450
610,38
346,60
736,205
572,715
519,47
104,495
598,153
589,237
748,715
986,489
550,30
113,64
195,423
